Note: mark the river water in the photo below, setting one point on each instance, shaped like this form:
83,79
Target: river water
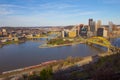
16,56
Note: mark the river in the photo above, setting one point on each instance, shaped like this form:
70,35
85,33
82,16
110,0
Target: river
16,56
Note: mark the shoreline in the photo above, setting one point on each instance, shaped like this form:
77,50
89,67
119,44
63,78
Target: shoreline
52,46
10,42
85,60
19,41
29,67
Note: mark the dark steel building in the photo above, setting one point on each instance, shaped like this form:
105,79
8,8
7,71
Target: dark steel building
90,21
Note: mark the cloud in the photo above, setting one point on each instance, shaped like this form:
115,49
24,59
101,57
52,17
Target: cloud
56,6
48,13
70,13
5,12
88,13
14,9
50,18
6,9
11,6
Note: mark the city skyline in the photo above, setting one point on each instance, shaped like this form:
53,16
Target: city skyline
57,13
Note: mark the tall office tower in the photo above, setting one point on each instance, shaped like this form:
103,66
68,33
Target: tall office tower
93,26
110,26
90,22
98,25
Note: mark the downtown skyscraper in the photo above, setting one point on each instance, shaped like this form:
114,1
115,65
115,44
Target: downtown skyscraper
92,25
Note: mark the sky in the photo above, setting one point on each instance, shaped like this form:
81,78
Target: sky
57,12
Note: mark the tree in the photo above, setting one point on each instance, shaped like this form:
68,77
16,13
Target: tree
33,77
104,74
46,74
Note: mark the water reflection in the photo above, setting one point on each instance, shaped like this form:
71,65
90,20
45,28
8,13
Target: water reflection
116,42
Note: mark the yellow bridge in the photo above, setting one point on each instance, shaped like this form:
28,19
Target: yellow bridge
102,42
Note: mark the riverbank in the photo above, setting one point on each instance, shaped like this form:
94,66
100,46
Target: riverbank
58,42
52,46
10,42
69,66
55,63
26,69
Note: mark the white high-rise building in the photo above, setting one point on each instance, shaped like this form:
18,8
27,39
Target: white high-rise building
63,34
105,33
